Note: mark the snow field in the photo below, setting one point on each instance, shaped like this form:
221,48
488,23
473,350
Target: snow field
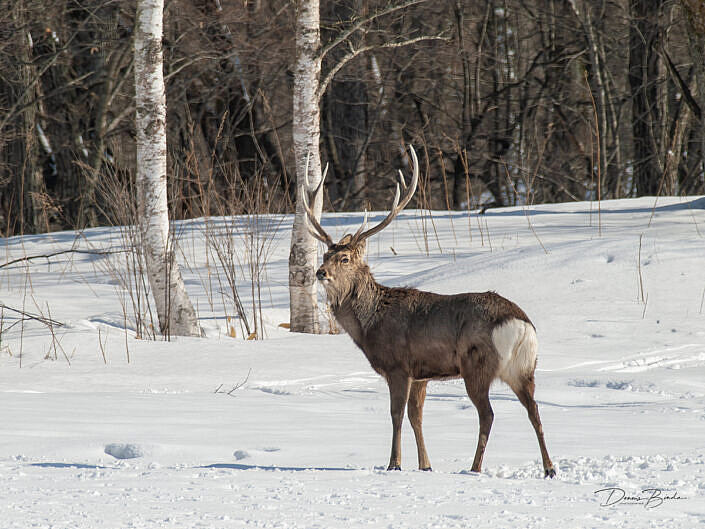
303,439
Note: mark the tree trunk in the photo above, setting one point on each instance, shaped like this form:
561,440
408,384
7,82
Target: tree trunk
643,74
306,132
30,185
695,16
601,110
111,79
460,176
174,309
674,152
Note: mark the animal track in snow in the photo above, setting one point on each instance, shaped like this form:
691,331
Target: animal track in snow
123,450
244,454
692,355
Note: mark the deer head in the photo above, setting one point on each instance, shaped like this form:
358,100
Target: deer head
344,264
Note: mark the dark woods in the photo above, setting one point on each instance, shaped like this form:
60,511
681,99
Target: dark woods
514,101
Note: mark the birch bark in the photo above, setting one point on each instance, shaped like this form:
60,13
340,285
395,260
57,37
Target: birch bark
174,309
306,134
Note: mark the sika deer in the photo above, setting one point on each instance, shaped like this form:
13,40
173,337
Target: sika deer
410,337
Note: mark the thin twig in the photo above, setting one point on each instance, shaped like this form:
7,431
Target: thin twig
61,252
102,346
695,222
29,316
526,212
599,164
55,341
641,279
235,387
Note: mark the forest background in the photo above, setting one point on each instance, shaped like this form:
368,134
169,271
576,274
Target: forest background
508,102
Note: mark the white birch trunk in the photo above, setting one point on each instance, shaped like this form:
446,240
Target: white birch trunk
303,255
175,311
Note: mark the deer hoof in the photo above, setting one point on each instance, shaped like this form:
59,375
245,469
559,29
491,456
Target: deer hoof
394,467
427,469
550,473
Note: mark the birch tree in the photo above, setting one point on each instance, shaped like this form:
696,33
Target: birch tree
306,135
308,92
174,309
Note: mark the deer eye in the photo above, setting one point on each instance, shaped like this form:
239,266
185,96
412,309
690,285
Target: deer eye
344,260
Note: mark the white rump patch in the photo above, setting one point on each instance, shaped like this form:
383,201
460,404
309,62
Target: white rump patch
516,343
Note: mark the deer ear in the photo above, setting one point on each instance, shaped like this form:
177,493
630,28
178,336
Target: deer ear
347,238
360,248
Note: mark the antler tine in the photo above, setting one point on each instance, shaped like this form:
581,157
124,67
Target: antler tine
401,179
362,227
319,187
397,206
414,177
318,232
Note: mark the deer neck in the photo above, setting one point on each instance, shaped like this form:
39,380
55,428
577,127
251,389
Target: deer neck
357,310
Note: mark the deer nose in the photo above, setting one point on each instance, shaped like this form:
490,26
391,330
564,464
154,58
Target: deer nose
321,274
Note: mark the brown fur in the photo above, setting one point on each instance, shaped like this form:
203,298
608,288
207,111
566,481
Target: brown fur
410,336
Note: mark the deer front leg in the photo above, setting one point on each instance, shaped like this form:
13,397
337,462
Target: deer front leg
417,396
399,385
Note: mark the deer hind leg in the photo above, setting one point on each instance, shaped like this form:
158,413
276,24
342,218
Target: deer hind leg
525,392
399,385
478,373
417,396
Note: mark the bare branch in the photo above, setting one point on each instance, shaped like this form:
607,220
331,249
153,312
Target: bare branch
61,252
355,52
357,25
678,80
30,85
234,388
29,316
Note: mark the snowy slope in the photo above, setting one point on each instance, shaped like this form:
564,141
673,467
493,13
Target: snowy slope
303,439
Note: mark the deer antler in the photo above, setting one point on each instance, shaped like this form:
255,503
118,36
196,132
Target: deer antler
397,206
318,232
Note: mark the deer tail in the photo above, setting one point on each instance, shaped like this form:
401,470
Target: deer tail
516,345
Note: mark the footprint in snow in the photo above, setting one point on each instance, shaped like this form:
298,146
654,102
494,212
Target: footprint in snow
239,455
123,450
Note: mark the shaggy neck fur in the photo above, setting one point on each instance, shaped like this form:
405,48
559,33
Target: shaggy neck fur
357,297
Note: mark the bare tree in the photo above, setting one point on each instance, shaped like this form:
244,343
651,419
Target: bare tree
643,77
308,93
346,126
695,16
503,104
175,311
306,132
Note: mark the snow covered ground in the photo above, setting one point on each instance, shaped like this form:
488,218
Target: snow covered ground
88,439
